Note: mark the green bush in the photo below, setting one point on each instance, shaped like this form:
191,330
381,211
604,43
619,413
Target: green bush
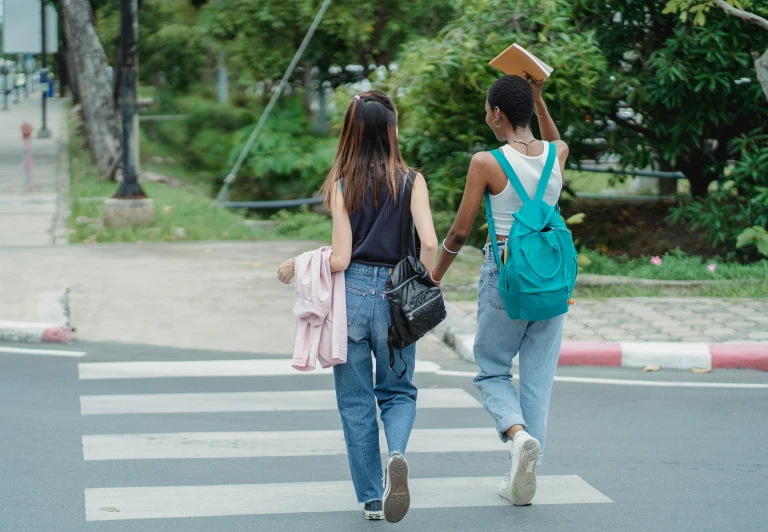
442,83
288,159
303,225
740,204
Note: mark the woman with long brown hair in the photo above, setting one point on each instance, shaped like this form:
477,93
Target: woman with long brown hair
365,191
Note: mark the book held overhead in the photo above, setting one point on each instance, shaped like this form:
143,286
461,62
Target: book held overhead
517,61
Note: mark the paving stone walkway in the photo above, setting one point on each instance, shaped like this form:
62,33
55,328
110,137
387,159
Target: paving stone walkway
663,319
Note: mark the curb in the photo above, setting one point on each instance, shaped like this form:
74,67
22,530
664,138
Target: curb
54,308
20,331
458,332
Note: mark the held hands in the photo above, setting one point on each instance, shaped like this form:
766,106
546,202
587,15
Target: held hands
287,271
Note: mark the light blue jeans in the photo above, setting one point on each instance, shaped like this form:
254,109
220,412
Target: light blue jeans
368,318
499,339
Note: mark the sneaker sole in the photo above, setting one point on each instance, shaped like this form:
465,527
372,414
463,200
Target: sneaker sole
523,487
397,499
374,516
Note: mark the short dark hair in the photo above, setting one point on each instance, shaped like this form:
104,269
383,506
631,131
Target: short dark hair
514,96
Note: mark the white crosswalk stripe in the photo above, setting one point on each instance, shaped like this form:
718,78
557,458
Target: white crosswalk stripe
271,444
188,403
264,367
255,499
210,497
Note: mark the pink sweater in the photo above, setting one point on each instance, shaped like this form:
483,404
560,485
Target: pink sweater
320,313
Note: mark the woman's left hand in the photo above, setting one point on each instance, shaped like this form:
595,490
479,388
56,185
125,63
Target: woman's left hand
287,271
537,86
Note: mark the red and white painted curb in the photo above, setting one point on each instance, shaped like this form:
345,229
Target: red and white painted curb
673,355
19,331
54,325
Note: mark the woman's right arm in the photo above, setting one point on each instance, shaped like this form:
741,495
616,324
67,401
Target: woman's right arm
422,219
477,181
341,241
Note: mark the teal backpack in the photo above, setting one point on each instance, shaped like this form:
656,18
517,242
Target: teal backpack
538,271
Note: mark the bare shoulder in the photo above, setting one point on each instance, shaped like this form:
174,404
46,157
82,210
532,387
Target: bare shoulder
419,177
562,149
482,160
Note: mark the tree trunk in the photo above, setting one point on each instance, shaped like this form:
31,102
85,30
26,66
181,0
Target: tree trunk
693,166
95,86
761,65
71,60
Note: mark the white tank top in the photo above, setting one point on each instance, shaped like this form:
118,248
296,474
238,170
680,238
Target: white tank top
528,170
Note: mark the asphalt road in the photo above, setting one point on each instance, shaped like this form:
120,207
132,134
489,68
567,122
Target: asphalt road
652,455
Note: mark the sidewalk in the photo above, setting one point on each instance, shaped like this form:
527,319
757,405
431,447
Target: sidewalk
679,333
30,216
221,296
657,319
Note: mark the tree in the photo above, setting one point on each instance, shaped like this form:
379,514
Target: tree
442,84
88,66
676,95
260,37
699,11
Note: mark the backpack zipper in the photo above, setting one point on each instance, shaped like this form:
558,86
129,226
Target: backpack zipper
410,314
398,287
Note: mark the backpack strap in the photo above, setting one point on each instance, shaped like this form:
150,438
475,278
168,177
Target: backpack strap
406,219
491,227
551,158
511,175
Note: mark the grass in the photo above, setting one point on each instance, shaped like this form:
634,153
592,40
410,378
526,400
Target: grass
179,214
594,182
745,289
675,266
740,289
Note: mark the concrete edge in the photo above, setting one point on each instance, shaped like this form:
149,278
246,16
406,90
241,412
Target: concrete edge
458,332
55,309
30,332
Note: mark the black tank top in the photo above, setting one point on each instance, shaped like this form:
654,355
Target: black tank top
376,232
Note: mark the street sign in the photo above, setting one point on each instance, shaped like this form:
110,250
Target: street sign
22,28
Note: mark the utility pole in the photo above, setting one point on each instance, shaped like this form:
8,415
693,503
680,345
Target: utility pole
129,38
44,132
129,207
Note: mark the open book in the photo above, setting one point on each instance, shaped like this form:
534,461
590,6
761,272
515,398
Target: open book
516,61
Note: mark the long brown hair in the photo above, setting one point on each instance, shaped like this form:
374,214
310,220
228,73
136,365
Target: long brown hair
367,147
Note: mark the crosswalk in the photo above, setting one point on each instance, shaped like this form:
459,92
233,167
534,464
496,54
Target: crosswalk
306,404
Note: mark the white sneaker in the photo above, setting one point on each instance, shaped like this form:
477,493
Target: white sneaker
519,486
397,498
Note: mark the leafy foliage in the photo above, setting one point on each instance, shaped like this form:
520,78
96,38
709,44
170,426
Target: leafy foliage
756,236
695,8
287,160
303,225
261,37
675,98
742,202
442,82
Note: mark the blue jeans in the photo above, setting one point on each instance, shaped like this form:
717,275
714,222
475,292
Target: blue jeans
499,339
368,319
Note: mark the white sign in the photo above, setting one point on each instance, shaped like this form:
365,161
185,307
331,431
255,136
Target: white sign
22,33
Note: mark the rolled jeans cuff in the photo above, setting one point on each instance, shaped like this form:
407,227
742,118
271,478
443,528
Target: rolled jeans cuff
506,423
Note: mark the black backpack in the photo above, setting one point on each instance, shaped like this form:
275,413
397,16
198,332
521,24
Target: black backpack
416,302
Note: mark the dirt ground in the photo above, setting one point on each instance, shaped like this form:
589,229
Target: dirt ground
635,227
